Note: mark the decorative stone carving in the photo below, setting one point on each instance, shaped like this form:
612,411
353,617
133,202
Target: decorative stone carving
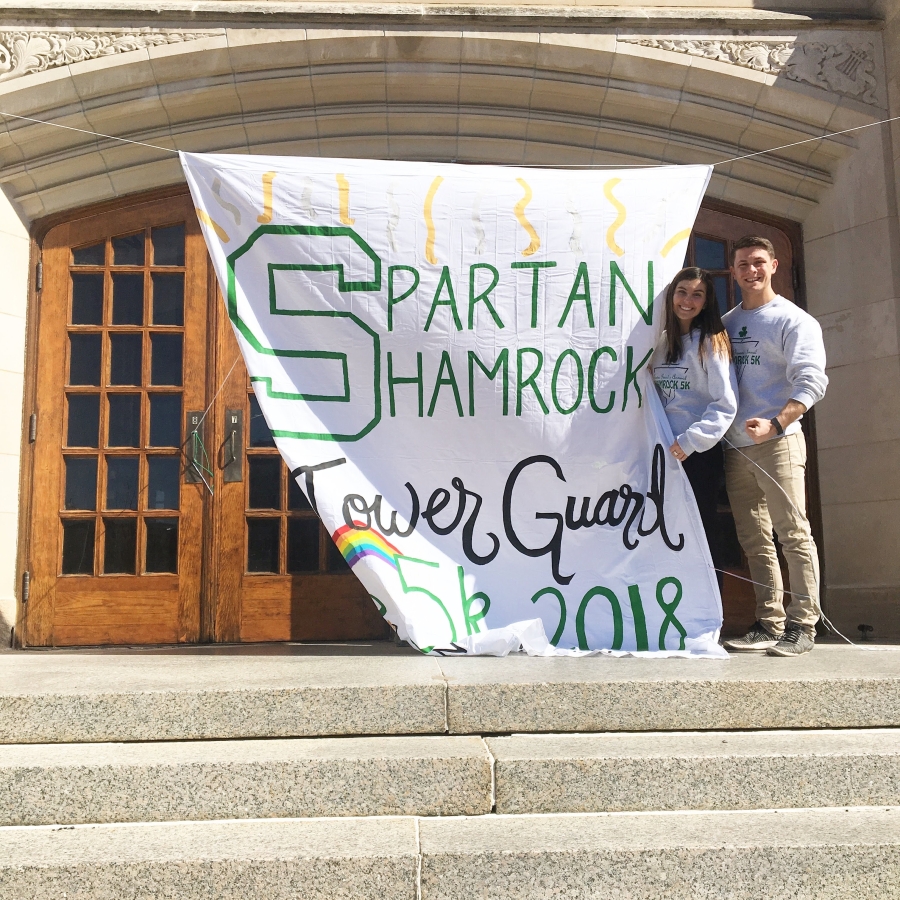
844,68
24,52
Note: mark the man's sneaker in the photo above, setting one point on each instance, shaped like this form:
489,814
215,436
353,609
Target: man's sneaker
757,638
794,642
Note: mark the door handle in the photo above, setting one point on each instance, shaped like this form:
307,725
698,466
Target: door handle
233,450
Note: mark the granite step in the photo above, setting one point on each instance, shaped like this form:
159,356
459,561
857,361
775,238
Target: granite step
824,854
696,771
206,780
296,691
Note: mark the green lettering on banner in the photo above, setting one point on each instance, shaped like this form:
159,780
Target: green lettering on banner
484,296
416,379
415,589
392,300
631,376
521,383
450,380
616,273
618,628
472,619
669,610
339,318
382,609
640,620
535,277
502,362
581,278
561,627
592,371
555,379
444,282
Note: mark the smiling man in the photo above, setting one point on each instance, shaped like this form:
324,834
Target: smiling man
780,360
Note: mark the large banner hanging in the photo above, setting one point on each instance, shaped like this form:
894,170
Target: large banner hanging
453,361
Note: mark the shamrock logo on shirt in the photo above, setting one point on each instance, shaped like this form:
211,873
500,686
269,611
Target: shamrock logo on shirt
669,379
743,347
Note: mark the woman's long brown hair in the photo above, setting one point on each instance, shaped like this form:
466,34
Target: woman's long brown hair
708,320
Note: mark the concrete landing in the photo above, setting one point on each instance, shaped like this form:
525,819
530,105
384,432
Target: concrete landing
828,854
75,696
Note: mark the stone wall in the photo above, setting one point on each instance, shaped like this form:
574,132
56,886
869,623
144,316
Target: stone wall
14,251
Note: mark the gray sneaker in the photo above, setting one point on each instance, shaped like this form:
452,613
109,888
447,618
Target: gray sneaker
794,642
757,638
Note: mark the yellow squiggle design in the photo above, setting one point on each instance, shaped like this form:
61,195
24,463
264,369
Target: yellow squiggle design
267,180
344,195
620,219
520,215
429,220
673,241
205,218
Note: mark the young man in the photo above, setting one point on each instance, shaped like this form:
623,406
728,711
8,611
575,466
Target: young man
780,361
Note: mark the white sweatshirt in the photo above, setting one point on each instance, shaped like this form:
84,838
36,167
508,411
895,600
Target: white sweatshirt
779,355
700,399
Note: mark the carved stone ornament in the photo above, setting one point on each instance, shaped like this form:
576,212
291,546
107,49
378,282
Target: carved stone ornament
843,68
24,52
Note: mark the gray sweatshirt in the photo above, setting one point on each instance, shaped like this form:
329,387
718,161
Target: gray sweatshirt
779,355
700,399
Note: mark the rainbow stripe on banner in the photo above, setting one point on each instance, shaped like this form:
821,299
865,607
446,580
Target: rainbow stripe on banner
358,542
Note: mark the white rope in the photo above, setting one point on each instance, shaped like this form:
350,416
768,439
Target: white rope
110,137
721,162
810,542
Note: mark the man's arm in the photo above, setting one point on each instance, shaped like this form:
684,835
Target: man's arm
762,430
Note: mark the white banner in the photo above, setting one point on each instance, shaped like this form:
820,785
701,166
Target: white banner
453,360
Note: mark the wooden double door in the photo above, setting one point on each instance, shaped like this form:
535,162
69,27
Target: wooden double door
160,509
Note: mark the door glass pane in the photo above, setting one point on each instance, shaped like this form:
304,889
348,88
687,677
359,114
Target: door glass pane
84,359
168,299
296,498
263,542
334,561
129,250
303,545
168,245
89,256
162,545
121,482
710,254
165,420
165,359
87,299
260,436
128,299
126,358
721,283
119,546
265,482
84,420
124,420
78,547
81,482
162,492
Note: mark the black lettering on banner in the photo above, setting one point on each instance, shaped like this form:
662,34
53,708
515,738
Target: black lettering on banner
307,472
554,545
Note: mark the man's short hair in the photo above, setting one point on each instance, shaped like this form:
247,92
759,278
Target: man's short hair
752,240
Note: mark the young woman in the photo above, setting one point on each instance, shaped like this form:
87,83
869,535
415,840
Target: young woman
697,385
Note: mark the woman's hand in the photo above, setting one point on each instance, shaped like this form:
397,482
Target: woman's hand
677,452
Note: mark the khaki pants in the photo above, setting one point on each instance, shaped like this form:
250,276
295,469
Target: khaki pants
758,505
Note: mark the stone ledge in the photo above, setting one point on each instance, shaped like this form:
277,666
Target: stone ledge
799,854
698,771
183,695
833,687
205,780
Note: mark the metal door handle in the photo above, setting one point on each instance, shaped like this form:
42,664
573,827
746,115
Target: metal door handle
232,467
